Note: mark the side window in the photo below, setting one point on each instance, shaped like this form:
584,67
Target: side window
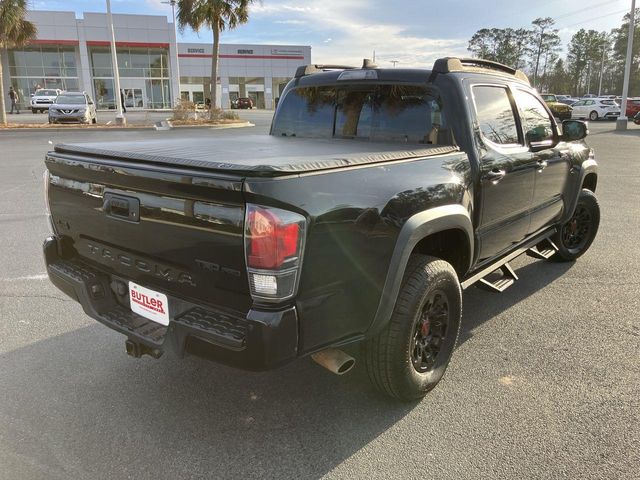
536,123
495,114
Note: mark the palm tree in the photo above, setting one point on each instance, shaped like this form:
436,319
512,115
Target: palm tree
15,31
218,15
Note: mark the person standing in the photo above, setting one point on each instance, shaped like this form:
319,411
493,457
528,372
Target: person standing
13,95
124,108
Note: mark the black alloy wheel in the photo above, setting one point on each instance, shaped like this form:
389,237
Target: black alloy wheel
430,331
576,235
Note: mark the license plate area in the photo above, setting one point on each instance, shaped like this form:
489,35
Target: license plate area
149,303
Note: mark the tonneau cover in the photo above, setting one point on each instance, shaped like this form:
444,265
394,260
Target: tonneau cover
255,155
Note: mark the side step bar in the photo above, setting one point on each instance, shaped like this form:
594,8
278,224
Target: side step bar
539,246
508,278
543,250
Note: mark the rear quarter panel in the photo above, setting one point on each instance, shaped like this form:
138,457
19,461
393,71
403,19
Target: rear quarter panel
355,216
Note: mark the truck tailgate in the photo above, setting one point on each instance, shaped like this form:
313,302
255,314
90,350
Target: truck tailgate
177,232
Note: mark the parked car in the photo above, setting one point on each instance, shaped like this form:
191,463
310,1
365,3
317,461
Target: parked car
633,107
379,195
566,99
244,102
596,108
73,107
42,99
559,110
636,119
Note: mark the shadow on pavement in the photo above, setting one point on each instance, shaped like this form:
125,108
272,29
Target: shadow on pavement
481,306
75,405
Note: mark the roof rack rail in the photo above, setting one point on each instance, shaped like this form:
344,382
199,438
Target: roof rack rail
455,64
315,68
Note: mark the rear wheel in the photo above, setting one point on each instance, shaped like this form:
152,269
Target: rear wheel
33,110
410,356
576,236
593,116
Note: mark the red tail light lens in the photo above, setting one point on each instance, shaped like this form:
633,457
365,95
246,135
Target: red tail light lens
274,240
270,241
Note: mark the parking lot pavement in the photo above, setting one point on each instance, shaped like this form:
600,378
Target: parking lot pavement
135,117
545,382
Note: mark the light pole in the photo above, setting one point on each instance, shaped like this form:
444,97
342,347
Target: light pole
621,123
604,46
120,118
175,31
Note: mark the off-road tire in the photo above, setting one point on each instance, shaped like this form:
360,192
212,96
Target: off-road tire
389,355
588,210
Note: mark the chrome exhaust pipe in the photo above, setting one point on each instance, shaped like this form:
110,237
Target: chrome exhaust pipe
334,360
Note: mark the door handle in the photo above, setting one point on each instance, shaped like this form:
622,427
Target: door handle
495,175
542,164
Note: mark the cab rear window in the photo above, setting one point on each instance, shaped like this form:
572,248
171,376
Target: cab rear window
385,113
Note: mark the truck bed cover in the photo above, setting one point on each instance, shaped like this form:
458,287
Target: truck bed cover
255,155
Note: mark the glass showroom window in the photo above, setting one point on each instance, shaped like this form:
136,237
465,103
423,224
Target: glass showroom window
32,68
143,70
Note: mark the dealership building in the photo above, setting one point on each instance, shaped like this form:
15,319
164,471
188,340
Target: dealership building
74,54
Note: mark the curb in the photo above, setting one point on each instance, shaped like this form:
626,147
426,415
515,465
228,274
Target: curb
129,129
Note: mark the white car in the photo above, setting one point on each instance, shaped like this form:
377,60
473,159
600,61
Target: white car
596,108
43,98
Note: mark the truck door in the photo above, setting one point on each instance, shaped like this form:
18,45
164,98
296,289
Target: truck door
551,164
506,171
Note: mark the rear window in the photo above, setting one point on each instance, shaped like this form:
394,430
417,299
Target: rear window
385,113
607,102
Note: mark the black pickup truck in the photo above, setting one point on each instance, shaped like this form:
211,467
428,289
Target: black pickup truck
379,195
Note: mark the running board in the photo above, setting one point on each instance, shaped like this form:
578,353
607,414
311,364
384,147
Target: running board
508,275
544,252
499,285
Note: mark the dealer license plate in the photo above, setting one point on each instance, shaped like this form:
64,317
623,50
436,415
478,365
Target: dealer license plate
149,303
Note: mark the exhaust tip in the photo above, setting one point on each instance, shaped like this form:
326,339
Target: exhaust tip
334,360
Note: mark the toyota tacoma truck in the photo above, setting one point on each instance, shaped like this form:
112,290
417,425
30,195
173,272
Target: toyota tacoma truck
377,198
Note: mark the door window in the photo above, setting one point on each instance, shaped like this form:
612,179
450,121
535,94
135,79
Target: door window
495,114
536,122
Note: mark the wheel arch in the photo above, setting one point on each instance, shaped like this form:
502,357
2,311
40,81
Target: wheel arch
445,232
590,181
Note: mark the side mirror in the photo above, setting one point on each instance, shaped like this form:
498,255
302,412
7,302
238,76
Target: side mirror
573,130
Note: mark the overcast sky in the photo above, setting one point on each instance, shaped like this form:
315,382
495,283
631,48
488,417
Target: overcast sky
412,32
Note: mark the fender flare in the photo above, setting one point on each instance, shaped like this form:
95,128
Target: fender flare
587,167
419,226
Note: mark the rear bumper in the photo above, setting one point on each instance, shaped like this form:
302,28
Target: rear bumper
258,341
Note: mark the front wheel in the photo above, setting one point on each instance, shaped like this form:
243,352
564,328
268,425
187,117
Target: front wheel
593,116
409,357
576,236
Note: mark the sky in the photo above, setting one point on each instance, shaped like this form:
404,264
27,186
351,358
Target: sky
413,33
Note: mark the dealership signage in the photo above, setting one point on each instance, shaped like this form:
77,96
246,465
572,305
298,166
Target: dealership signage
244,51
195,50
292,52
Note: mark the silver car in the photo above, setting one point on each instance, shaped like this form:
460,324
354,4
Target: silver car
43,98
73,107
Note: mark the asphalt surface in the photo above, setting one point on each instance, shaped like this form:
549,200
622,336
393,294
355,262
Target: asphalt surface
545,382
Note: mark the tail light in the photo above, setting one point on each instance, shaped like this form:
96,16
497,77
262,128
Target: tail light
274,242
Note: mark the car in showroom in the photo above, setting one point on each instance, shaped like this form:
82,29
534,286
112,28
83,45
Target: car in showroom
560,110
595,109
73,107
42,99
